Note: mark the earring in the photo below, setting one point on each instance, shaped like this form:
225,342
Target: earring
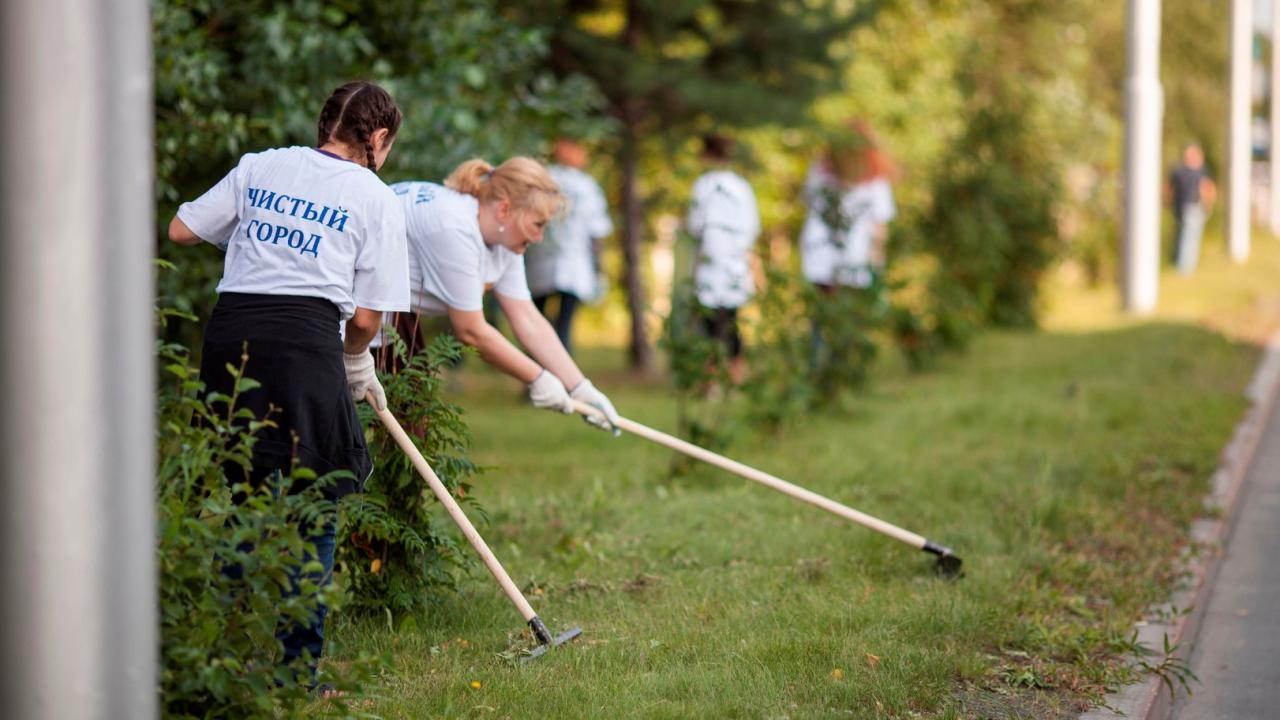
502,228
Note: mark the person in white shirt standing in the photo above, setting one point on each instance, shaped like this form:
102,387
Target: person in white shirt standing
850,200
313,239
566,264
850,203
469,236
725,220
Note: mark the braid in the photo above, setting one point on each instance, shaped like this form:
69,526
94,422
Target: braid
362,130
351,116
324,128
335,108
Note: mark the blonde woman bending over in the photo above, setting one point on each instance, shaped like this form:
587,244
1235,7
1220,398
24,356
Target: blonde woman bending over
469,236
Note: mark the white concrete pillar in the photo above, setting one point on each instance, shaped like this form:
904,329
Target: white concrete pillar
1144,111
1238,130
78,616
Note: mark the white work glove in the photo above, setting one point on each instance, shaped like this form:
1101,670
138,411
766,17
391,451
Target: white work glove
547,392
361,378
587,393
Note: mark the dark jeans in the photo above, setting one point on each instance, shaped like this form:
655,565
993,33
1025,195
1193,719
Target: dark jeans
299,638
564,316
309,637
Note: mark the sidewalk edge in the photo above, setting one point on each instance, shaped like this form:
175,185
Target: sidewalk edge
1149,699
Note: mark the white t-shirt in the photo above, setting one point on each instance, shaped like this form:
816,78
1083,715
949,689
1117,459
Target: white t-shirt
724,217
295,221
449,264
564,260
831,257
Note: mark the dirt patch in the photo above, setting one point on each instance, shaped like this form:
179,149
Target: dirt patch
812,571
641,583
585,587
1009,703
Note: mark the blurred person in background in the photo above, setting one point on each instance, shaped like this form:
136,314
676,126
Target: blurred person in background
724,219
1191,195
850,203
566,264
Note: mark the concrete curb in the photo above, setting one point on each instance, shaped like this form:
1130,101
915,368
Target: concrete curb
1149,699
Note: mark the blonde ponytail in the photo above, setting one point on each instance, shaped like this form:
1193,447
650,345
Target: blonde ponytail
470,177
521,180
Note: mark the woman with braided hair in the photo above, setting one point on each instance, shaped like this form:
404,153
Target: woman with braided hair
313,239
469,236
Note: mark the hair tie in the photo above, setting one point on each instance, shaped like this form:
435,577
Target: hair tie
488,174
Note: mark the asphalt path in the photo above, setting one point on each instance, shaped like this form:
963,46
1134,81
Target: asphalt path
1236,653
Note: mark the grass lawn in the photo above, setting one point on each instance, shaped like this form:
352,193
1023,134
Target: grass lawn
1063,465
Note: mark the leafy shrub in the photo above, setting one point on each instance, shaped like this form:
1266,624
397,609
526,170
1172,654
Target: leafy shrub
808,345
218,634
699,373
844,322
779,386
915,338
401,551
696,360
992,224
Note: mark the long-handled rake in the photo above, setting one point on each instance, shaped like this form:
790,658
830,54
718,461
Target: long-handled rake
545,638
948,564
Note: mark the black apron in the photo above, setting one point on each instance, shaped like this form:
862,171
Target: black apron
295,352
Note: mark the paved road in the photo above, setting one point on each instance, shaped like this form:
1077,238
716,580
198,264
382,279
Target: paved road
1236,654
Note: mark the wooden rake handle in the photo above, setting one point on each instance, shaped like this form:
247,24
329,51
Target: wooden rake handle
442,494
776,483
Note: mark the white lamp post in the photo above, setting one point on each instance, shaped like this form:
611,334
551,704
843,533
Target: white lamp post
78,618
1144,101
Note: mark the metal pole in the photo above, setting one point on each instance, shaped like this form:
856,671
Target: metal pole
1238,130
1144,112
78,620
1273,162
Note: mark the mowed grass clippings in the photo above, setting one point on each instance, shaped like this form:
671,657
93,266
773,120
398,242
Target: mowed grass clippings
1064,467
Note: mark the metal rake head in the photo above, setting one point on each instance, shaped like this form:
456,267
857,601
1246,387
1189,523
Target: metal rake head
546,641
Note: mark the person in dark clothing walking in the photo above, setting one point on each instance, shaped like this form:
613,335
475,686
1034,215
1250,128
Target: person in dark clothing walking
1191,195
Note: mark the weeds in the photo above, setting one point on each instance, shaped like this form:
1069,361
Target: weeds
1170,669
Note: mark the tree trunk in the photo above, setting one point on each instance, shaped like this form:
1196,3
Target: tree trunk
633,213
641,352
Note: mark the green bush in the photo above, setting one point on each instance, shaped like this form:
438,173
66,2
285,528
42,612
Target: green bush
401,552
218,634
791,372
992,223
699,371
219,643
915,334
845,319
779,386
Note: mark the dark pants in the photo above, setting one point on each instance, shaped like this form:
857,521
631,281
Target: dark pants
721,324
564,316
304,637
298,637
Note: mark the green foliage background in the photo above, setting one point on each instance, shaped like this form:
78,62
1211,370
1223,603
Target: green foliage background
479,77
240,77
